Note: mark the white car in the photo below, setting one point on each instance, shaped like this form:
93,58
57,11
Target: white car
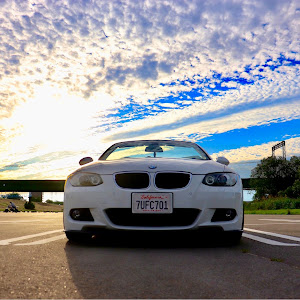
153,185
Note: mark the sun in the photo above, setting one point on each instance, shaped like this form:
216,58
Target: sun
51,130
53,120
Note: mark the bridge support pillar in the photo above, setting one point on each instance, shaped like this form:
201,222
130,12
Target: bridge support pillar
37,196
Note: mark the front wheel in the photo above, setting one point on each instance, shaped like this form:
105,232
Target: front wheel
232,237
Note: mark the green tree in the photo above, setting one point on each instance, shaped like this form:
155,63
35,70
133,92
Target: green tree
15,196
273,175
292,191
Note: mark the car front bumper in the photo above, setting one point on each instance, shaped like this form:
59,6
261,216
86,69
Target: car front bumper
203,201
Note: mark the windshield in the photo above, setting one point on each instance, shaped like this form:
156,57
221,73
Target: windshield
154,149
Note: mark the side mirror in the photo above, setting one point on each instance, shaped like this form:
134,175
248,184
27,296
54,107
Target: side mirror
222,160
85,161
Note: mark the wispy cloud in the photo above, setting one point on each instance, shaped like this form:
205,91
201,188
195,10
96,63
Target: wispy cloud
244,159
77,76
182,124
259,152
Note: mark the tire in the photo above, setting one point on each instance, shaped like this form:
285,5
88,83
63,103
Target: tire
78,237
232,237
243,217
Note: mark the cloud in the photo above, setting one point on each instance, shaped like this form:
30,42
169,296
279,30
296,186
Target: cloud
258,152
46,158
151,40
202,120
133,69
244,159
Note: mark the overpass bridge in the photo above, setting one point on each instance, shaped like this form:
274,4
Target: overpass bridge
54,185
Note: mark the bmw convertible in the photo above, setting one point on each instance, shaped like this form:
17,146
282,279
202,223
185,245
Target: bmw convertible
153,185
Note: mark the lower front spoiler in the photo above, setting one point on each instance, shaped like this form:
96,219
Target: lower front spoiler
185,238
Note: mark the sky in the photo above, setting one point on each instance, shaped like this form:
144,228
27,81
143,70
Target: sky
78,76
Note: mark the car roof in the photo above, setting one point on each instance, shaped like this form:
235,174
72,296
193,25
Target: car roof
153,141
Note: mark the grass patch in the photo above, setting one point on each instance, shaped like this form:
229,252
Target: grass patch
39,206
273,204
276,259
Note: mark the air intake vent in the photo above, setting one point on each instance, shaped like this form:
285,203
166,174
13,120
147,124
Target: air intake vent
172,180
179,217
132,180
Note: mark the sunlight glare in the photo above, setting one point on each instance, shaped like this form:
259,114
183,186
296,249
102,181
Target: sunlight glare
53,119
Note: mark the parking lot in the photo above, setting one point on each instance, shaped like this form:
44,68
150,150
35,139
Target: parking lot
37,261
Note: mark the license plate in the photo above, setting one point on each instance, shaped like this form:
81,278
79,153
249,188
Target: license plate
152,203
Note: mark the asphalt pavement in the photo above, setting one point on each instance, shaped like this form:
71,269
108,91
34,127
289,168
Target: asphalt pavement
38,262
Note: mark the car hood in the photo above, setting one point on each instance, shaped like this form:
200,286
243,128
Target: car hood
153,165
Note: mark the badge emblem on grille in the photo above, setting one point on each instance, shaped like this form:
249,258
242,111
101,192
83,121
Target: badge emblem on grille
152,167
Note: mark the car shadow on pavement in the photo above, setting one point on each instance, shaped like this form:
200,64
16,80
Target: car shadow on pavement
130,264
157,239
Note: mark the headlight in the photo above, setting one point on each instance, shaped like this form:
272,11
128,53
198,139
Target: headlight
220,179
85,179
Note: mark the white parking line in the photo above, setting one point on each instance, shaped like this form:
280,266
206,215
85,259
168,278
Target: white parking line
21,221
281,220
8,241
45,241
283,236
267,241
272,224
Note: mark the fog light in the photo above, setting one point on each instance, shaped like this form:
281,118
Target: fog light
81,214
75,214
223,214
228,214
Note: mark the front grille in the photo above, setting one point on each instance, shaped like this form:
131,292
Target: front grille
172,180
132,180
179,217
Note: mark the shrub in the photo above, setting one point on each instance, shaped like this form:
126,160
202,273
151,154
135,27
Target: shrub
29,205
296,188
